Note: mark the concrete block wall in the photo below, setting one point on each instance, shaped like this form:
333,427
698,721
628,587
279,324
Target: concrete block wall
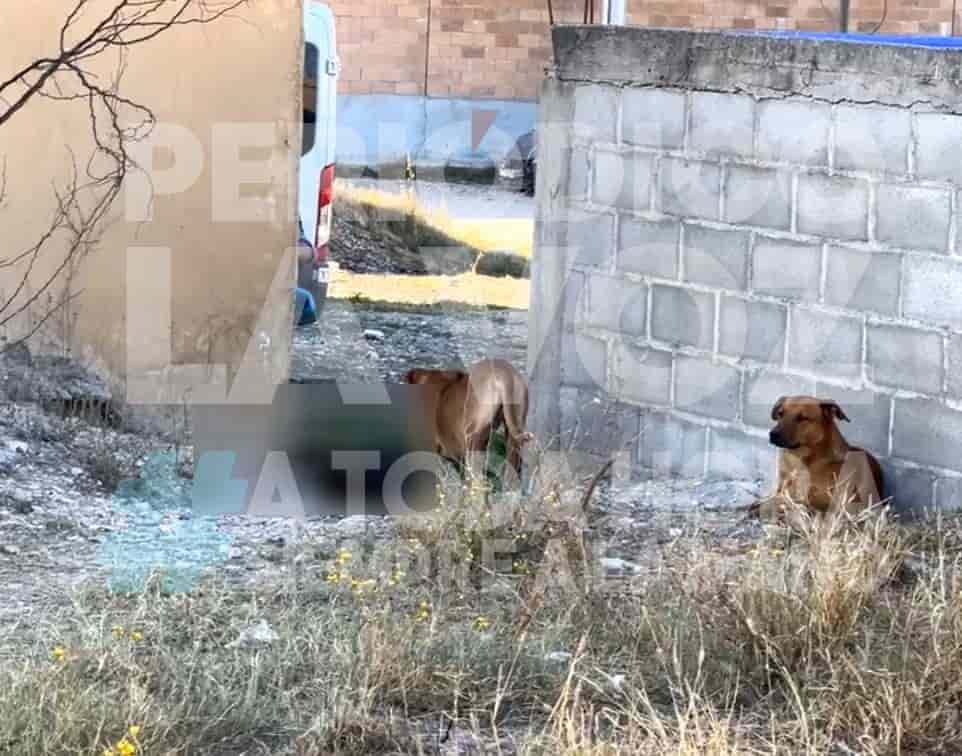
707,242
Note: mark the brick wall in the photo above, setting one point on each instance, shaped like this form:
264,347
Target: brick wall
382,45
499,48
699,254
478,48
896,17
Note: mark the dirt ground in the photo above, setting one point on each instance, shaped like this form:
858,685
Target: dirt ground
63,521
357,341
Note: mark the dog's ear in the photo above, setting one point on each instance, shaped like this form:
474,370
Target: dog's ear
833,411
778,407
411,375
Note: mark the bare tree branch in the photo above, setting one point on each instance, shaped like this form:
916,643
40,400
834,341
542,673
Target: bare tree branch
63,75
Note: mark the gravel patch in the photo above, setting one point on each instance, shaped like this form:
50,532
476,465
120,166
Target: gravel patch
366,343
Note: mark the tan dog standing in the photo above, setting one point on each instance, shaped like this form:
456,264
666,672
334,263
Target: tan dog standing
466,407
816,465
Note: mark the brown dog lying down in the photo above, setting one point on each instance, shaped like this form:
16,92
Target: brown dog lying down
816,465
467,406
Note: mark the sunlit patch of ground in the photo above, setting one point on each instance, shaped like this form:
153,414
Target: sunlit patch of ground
467,288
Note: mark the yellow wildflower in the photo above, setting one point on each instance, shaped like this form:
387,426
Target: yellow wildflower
136,635
126,748
117,631
424,612
133,731
482,623
59,653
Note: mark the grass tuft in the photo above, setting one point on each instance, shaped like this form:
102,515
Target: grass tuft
456,630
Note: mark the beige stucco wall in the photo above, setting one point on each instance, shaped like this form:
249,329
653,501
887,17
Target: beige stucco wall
243,69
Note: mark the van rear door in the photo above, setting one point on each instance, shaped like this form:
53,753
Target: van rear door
320,113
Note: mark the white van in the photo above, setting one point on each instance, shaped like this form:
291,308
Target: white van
316,191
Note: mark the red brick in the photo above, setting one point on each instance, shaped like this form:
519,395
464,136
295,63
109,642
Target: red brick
408,88
383,42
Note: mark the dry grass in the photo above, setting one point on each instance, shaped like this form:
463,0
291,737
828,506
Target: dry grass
810,648
487,234
436,228
466,288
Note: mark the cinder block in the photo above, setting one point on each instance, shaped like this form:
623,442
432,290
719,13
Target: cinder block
786,269
556,110
938,147
752,330
689,189
716,257
583,361
762,388
780,138
653,118
576,181
948,494
869,414
928,433
575,300
833,207
913,217
642,376
706,388
584,238
595,112
721,124
670,446
862,280
680,316
649,247
735,455
872,139
910,489
823,343
596,424
932,290
758,196
617,305
622,180
554,137
906,358
954,369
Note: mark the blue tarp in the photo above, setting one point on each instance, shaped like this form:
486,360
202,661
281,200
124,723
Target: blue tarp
901,40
